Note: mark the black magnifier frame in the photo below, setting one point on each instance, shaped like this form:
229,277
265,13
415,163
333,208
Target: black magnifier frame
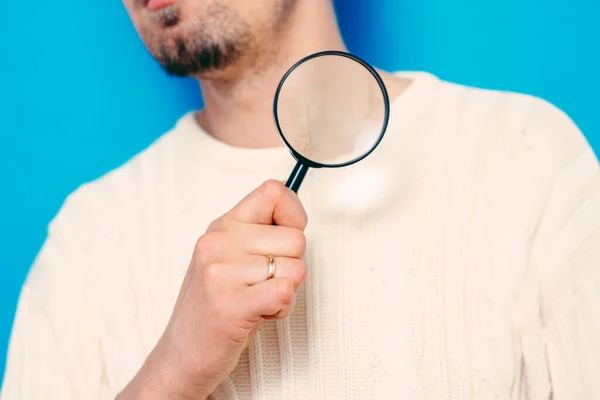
303,163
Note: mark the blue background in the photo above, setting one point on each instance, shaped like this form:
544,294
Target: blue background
79,95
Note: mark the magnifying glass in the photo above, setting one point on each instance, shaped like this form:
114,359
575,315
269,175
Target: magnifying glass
331,109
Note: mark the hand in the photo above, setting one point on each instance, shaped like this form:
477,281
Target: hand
225,296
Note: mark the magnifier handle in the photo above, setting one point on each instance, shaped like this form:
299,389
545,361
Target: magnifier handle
297,176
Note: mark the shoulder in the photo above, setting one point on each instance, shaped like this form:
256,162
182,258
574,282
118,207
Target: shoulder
144,173
507,125
515,112
143,170
94,224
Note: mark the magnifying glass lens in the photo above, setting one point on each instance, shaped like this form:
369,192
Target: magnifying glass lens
331,109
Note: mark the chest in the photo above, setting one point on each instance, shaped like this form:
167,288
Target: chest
408,297
415,302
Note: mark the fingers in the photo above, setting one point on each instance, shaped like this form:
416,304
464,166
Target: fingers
286,312
271,203
231,255
270,239
269,298
241,239
254,270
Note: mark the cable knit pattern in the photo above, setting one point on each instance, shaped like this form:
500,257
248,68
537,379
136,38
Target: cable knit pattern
461,260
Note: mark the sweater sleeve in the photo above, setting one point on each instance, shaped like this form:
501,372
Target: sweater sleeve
54,349
565,255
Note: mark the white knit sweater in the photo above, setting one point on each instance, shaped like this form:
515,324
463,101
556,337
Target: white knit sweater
461,260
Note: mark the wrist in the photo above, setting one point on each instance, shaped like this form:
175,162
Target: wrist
160,380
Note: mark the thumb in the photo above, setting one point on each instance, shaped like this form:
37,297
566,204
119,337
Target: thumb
271,202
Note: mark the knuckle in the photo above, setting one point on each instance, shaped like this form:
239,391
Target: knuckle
287,311
207,247
298,242
304,219
300,271
213,272
217,225
208,242
285,292
273,189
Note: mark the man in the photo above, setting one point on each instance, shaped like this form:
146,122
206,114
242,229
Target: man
459,261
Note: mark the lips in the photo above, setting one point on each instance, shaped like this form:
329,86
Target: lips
155,5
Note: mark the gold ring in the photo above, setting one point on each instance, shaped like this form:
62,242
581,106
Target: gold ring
272,267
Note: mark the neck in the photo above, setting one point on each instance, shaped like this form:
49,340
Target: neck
238,111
